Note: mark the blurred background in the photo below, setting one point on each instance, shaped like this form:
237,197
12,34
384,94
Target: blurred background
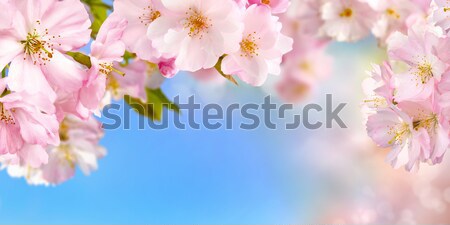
261,176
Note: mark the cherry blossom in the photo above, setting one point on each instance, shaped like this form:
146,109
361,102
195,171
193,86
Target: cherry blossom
27,126
36,41
347,20
197,32
261,48
418,51
78,147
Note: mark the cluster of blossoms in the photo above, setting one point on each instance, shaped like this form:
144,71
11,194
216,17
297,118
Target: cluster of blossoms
41,86
313,24
50,90
408,101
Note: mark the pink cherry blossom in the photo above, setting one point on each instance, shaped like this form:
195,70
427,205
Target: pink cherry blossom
416,129
418,51
107,49
262,48
380,87
393,16
197,32
393,128
79,147
36,41
27,125
139,14
347,20
276,6
133,83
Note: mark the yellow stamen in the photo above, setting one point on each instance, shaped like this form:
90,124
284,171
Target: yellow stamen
346,13
196,23
149,15
5,115
393,13
249,47
398,133
424,72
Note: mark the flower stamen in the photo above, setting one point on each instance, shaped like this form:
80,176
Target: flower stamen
5,115
149,15
249,47
346,13
196,23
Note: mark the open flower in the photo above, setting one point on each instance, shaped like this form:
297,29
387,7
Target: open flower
261,48
347,20
78,148
139,14
418,51
393,16
36,41
27,126
197,32
392,128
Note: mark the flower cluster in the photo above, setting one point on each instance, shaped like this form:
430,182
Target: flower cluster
408,96
353,20
50,89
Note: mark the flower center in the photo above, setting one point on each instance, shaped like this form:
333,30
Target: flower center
446,9
5,115
64,131
393,13
38,46
266,2
424,72
346,13
106,68
249,48
429,123
398,133
149,15
196,23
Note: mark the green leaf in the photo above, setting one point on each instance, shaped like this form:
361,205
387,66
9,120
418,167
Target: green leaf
127,57
81,58
99,12
153,108
4,71
218,67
